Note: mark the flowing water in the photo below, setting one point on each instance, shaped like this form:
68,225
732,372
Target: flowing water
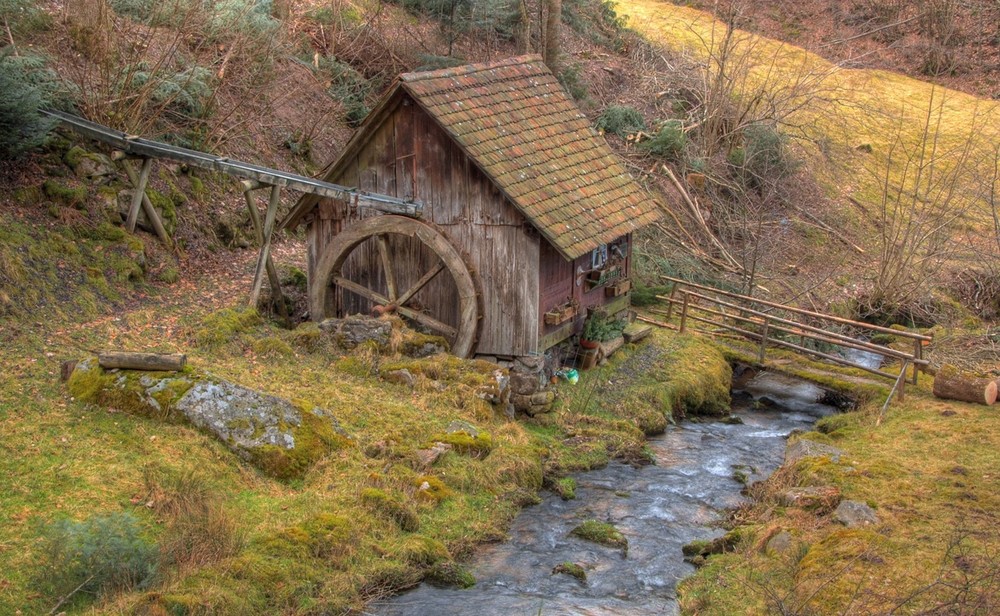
659,508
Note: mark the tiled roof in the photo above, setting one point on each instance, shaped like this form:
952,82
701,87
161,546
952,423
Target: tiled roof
516,122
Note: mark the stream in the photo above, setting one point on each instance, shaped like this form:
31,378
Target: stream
659,508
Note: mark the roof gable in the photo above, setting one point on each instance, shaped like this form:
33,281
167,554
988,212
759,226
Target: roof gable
516,122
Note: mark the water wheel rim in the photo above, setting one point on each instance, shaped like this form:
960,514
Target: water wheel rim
341,245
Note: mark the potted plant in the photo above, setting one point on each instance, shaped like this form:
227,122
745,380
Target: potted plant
598,328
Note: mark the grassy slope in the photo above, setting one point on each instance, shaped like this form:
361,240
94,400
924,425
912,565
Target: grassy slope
931,476
848,108
355,527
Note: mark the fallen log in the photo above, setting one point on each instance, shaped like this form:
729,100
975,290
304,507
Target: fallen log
141,361
950,383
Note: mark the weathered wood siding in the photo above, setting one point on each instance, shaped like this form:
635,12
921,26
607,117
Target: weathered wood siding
409,156
558,280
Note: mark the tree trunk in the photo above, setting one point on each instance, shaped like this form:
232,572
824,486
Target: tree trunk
141,361
552,21
524,29
952,384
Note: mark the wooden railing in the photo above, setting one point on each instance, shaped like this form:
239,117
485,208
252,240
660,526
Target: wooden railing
762,321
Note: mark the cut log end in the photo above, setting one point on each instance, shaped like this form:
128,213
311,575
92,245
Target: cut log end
952,384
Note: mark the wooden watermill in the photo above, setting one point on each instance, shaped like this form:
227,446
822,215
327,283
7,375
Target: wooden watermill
524,216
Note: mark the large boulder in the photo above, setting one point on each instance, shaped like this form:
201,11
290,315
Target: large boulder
281,438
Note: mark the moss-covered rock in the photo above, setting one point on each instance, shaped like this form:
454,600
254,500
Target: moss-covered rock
571,569
602,533
66,195
466,439
565,487
282,438
449,574
430,488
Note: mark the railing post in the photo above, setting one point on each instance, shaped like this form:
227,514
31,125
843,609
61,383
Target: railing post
763,341
684,311
918,351
670,304
902,380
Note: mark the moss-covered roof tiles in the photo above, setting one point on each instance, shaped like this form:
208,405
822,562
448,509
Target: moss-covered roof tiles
516,122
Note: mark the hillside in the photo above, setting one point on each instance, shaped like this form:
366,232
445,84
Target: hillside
955,43
857,191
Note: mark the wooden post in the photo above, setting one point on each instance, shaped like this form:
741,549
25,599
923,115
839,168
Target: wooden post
918,351
265,248
763,341
684,311
147,206
140,192
670,304
899,386
258,232
902,380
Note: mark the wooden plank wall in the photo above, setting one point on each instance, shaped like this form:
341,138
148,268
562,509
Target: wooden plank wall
558,279
410,156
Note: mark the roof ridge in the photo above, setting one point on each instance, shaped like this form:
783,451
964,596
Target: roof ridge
468,69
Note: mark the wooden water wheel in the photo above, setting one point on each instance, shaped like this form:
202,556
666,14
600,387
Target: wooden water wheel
401,280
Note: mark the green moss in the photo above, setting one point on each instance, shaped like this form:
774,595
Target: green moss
676,376
223,326
315,438
75,155
431,488
602,533
168,275
28,195
68,196
449,574
422,551
479,445
165,206
565,488
883,339
294,277
272,347
572,570
87,381
308,336
391,507
830,425
170,390
105,232
197,186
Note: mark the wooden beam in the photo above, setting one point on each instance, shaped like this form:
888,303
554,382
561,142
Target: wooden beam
427,277
390,276
429,321
265,248
138,195
361,290
151,213
140,361
137,147
258,231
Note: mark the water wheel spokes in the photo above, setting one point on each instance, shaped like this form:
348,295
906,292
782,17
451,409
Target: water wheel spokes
387,294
